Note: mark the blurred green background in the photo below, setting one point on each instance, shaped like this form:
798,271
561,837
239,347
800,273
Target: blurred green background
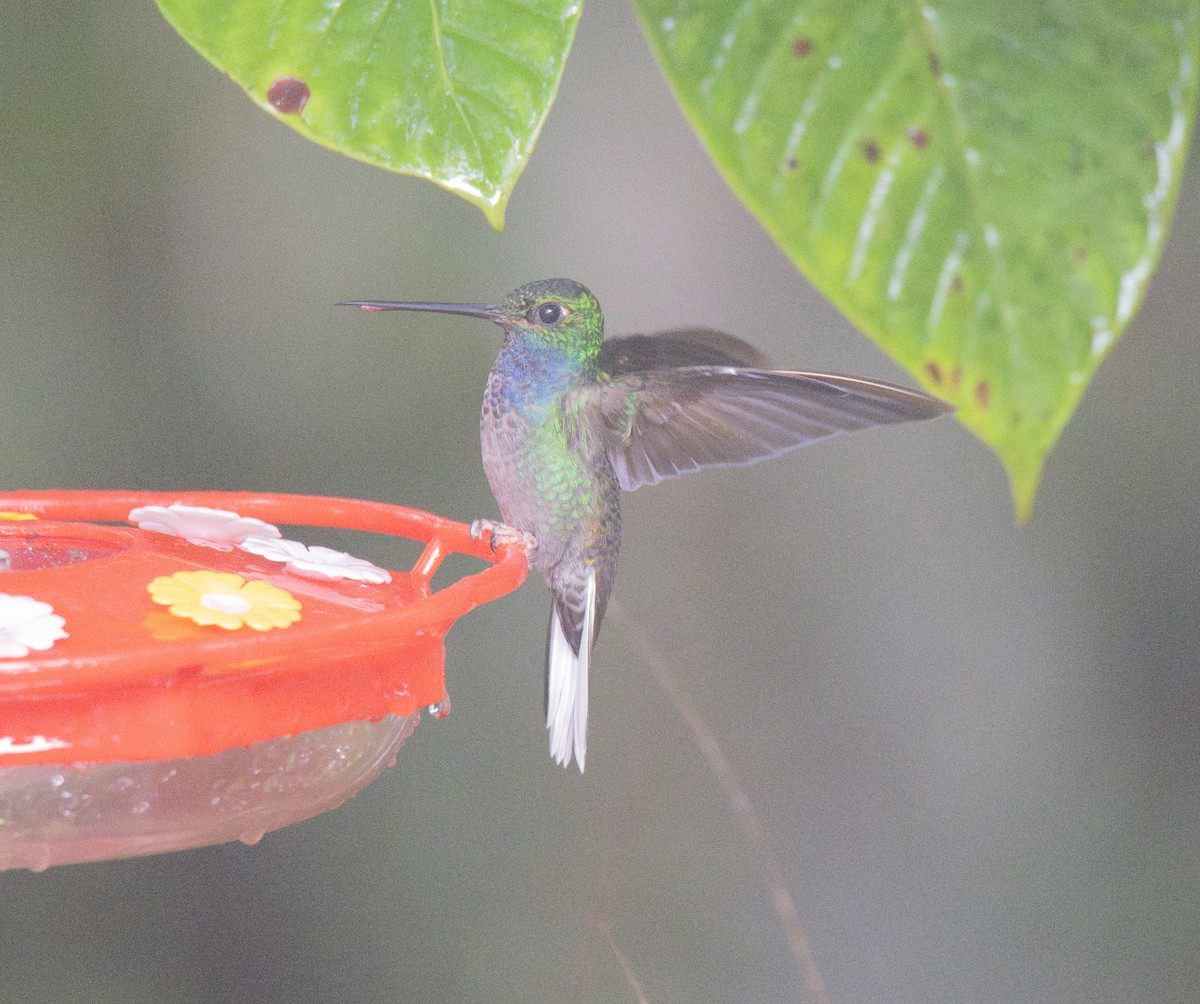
974,747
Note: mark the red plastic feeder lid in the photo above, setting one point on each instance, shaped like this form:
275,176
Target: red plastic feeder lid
199,628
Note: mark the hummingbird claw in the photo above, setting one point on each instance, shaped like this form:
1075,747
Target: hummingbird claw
502,533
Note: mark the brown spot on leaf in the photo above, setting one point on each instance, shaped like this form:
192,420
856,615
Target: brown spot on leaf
918,137
870,150
983,393
935,64
934,371
793,164
956,283
1081,253
802,47
288,95
956,377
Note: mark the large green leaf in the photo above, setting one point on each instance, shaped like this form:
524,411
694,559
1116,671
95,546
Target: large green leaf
455,91
983,185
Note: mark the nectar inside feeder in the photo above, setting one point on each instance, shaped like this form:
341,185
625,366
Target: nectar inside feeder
195,678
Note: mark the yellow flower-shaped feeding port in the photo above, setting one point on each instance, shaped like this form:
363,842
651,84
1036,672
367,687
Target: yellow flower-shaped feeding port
9,514
225,600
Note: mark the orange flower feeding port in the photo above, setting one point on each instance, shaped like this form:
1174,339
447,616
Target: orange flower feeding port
197,678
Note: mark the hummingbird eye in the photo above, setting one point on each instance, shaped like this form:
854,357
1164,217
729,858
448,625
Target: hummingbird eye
549,313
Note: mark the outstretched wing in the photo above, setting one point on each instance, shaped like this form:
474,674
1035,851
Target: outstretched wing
669,349
665,422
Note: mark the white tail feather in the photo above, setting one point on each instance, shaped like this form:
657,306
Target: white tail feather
567,684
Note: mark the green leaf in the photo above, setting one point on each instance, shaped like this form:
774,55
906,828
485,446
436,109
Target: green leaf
455,91
983,186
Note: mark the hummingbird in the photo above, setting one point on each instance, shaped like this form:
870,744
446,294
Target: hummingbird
571,420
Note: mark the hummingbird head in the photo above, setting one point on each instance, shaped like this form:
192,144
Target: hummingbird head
559,313
555,314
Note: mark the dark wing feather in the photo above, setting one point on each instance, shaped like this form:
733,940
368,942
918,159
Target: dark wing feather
687,347
667,422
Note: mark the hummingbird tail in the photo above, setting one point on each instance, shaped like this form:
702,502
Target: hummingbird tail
567,682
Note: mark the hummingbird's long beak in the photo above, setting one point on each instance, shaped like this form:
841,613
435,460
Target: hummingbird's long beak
486,311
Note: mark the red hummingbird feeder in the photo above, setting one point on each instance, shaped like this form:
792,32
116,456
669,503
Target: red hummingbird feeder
190,676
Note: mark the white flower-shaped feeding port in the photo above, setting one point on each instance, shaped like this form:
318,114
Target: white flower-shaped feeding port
216,528
27,624
316,562
30,744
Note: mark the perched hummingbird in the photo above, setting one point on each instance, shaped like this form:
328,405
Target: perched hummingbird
570,421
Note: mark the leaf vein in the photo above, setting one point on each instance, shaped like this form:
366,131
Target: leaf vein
451,87
460,31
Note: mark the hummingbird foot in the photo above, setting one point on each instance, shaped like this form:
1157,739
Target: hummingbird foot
502,534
